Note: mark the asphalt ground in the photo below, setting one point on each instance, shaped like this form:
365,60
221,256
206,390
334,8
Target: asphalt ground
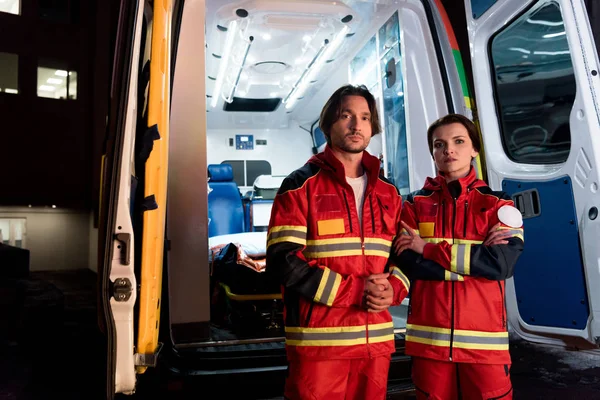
57,352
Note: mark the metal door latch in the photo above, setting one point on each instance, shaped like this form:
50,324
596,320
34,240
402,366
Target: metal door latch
122,289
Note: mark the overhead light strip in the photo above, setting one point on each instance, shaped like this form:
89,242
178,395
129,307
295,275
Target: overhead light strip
231,33
313,68
229,99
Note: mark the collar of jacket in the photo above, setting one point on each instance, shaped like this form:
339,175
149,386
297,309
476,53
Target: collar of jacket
328,161
466,183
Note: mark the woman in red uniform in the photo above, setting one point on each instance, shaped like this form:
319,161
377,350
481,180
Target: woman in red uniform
460,240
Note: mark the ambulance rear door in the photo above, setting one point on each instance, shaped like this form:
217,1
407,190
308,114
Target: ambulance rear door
537,90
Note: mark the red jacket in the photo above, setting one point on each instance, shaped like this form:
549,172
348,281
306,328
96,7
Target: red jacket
457,310
316,250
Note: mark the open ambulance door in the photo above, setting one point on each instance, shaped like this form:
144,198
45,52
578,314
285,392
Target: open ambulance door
133,200
537,88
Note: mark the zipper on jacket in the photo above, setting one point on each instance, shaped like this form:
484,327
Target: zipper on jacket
503,308
348,209
309,314
453,284
373,216
362,246
443,219
465,220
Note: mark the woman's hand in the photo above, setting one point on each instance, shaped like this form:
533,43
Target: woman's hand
412,241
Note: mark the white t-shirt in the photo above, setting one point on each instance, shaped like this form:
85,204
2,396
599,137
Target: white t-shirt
359,186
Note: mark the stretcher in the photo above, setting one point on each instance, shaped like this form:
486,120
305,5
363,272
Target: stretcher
244,297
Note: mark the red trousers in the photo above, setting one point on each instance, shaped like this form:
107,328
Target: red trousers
442,380
353,379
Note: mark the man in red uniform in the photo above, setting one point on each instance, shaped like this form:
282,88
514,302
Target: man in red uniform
330,235
461,241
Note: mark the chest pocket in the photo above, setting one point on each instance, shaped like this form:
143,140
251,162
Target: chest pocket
482,217
329,213
387,214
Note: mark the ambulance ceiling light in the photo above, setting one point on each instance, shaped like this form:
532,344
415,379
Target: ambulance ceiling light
231,33
229,98
325,53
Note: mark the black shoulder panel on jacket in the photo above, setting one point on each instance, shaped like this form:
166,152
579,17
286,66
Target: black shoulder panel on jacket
422,192
499,194
297,178
386,180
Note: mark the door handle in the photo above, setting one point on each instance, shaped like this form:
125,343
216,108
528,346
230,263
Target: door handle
528,203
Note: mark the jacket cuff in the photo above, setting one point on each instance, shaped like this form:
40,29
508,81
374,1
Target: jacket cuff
429,251
357,292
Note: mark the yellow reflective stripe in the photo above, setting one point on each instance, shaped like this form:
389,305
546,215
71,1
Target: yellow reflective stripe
427,328
334,289
332,342
480,333
379,333
453,258
340,253
339,336
328,287
433,342
460,259
287,233
383,338
341,240
516,232
383,325
378,253
330,336
291,239
299,228
379,241
451,276
465,339
397,273
328,329
322,285
347,246
466,332
479,346
377,247
467,260
452,241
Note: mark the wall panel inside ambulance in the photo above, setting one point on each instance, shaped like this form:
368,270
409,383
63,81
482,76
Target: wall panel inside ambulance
244,114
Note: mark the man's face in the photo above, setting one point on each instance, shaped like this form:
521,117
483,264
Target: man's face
351,133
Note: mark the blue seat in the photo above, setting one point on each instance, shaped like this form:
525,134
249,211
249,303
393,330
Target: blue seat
225,208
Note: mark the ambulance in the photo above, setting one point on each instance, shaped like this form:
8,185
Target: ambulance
214,102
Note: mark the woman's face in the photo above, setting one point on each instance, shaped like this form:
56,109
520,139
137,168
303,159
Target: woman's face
453,150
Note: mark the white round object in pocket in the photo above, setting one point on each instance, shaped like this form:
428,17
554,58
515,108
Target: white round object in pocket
510,216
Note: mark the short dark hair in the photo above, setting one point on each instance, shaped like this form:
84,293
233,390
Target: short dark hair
455,119
331,111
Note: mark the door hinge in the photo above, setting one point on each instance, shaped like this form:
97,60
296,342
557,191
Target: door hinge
122,289
148,360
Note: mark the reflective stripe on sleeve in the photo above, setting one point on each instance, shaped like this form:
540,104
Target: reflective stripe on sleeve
460,261
287,233
328,287
397,273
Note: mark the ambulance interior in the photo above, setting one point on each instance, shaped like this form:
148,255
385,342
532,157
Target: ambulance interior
270,67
